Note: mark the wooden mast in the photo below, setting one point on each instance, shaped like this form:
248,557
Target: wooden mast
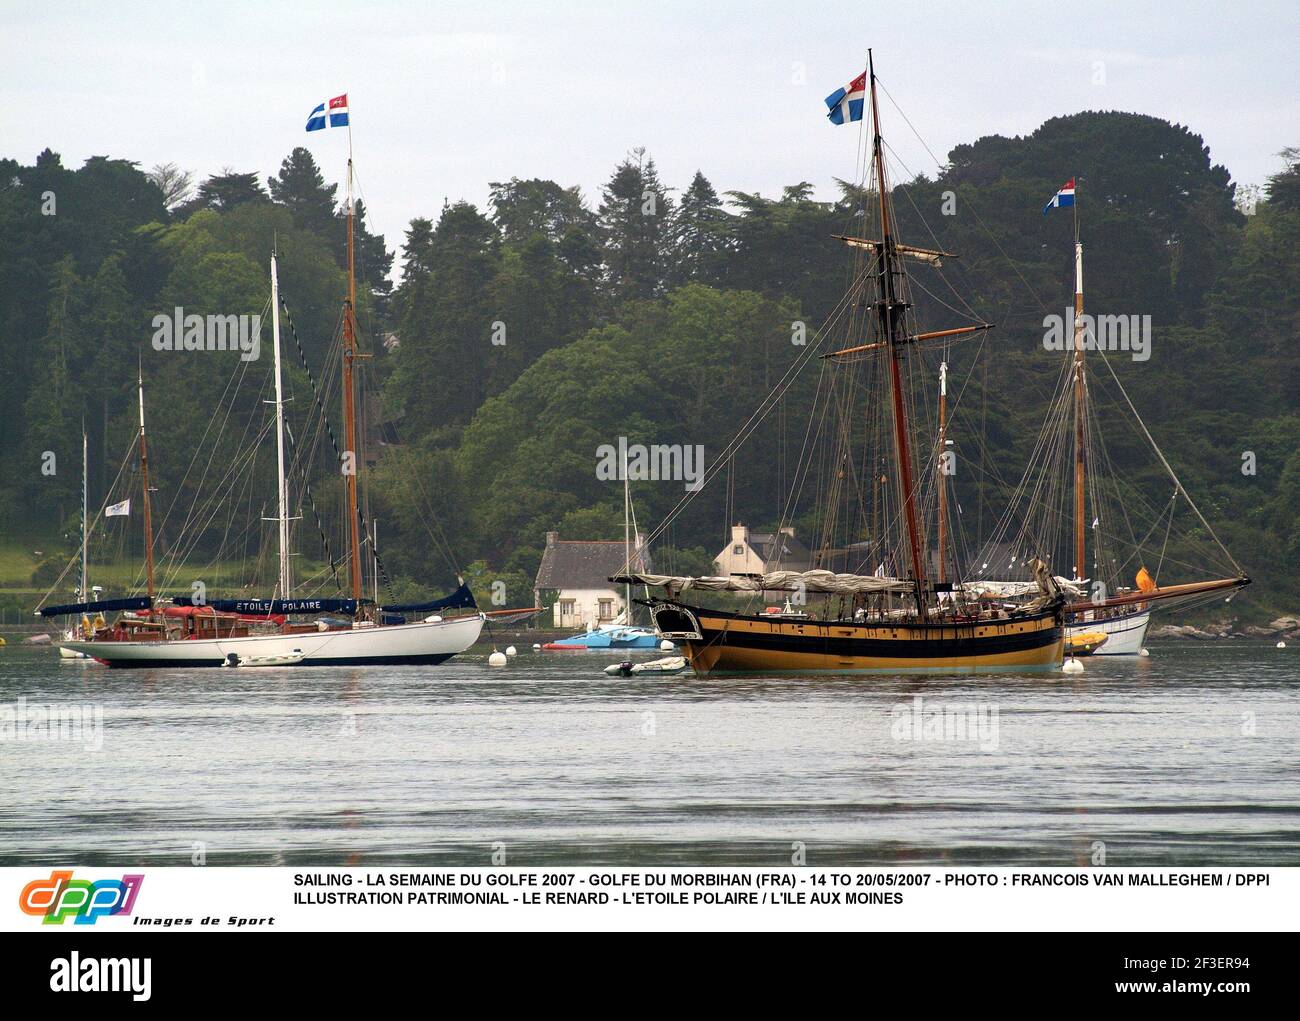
889,311
627,545
1080,407
84,588
148,512
349,406
941,481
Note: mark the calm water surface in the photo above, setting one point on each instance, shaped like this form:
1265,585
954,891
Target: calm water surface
1188,757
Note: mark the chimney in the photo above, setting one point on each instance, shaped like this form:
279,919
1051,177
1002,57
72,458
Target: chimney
739,533
552,538
788,530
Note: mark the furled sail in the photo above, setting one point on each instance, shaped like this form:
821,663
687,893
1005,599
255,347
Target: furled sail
103,606
461,598
272,607
928,255
776,581
997,589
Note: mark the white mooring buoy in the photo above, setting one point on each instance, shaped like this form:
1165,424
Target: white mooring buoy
1072,666
1281,645
536,646
1144,653
666,646
497,659
511,651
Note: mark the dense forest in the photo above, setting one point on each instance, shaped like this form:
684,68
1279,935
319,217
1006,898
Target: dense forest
524,335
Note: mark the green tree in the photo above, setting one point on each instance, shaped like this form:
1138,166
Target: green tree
635,220
446,328
1284,186
301,189
228,189
701,235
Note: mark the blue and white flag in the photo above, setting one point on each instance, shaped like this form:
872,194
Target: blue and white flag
1063,198
846,104
335,111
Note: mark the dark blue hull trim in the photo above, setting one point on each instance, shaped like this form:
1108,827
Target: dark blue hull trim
169,664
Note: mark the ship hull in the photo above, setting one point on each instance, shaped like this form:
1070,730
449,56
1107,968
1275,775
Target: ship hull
396,645
715,642
1124,635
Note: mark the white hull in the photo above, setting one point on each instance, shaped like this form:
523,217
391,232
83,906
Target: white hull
1125,635
430,642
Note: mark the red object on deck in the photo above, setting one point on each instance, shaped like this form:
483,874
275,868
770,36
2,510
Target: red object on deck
208,611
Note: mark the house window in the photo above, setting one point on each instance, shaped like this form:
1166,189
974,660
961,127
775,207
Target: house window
737,551
606,609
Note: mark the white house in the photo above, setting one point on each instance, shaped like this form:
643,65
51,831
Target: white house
578,573
761,552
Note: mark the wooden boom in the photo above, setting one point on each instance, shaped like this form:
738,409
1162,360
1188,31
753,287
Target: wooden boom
1167,592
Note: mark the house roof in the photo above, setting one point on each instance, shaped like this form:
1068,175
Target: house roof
568,564
770,546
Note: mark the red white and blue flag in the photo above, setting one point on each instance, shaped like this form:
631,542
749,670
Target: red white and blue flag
335,111
846,104
1064,197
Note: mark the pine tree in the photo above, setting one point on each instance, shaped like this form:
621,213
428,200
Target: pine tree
701,235
300,187
635,220
447,317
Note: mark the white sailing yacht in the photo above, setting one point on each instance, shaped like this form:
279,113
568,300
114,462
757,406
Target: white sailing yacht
1105,615
1124,626
257,632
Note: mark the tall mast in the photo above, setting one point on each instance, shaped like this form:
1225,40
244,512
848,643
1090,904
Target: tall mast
941,480
144,478
282,485
627,546
889,310
349,397
84,592
1080,407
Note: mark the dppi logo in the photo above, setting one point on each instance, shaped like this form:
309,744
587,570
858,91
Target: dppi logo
60,896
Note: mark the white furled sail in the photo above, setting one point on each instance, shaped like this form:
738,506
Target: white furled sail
775,581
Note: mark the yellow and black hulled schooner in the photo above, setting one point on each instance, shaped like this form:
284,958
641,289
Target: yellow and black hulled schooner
902,617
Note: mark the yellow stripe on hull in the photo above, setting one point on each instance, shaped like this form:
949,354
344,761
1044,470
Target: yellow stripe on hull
729,659
754,645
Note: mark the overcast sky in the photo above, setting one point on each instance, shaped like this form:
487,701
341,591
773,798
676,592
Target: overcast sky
447,96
